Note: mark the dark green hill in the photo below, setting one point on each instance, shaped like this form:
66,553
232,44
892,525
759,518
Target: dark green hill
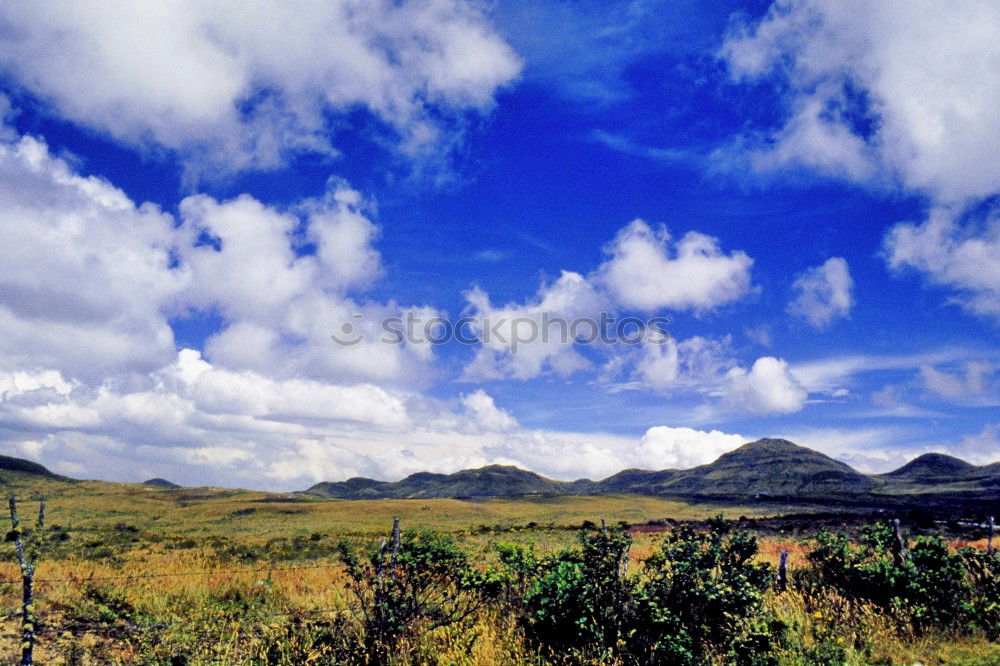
160,483
937,473
639,481
21,466
769,468
490,481
932,466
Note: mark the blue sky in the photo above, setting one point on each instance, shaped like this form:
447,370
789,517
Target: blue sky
193,201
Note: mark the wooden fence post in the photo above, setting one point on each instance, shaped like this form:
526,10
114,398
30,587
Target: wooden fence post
898,544
989,538
395,546
27,558
782,570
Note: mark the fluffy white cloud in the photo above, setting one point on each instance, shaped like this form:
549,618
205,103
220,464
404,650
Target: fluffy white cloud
523,341
900,88
648,273
219,391
87,275
92,280
208,423
240,84
965,258
664,447
823,293
768,387
696,363
482,409
282,306
896,94
195,422
659,364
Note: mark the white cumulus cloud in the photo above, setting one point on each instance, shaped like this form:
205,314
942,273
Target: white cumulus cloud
665,447
232,85
523,341
768,387
649,272
87,278
898,94
963,258
823,293
483,410
901,87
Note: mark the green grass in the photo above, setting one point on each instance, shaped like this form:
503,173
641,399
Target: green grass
253,515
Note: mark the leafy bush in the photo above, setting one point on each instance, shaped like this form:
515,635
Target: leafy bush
420,582
581,598
928,588
702,594
984,579
698,597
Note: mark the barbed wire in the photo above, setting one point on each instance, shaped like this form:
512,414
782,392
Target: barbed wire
80,626
176,574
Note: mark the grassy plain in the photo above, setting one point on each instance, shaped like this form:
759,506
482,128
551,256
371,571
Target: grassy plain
139,574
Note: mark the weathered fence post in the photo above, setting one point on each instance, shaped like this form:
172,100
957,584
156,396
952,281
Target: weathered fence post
27,558
989,537
395,546
898,544
782,570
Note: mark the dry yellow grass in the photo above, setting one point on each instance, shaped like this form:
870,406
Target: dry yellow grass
156,598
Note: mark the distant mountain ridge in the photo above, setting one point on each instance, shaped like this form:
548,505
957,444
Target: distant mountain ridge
764,468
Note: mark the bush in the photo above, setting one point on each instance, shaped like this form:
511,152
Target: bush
702,595
699,597
419,583
928,588
581,598
984,579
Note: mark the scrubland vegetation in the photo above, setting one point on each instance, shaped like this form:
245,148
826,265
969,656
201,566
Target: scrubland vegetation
133,574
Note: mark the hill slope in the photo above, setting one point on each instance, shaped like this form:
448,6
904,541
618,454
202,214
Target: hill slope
932,466
940,473
160,483
489,481
21,466
767,467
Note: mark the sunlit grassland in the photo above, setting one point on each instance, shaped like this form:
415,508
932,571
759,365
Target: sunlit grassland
222,576
257,515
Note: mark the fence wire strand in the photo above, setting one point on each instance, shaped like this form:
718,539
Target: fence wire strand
177,574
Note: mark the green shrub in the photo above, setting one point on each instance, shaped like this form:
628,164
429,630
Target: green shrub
700,595
404,590
581,598
929,588
984,579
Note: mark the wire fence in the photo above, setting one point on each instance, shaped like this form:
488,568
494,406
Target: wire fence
28,544
178,574
132,628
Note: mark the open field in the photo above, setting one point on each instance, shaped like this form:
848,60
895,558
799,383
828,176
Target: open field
250,514
137,574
